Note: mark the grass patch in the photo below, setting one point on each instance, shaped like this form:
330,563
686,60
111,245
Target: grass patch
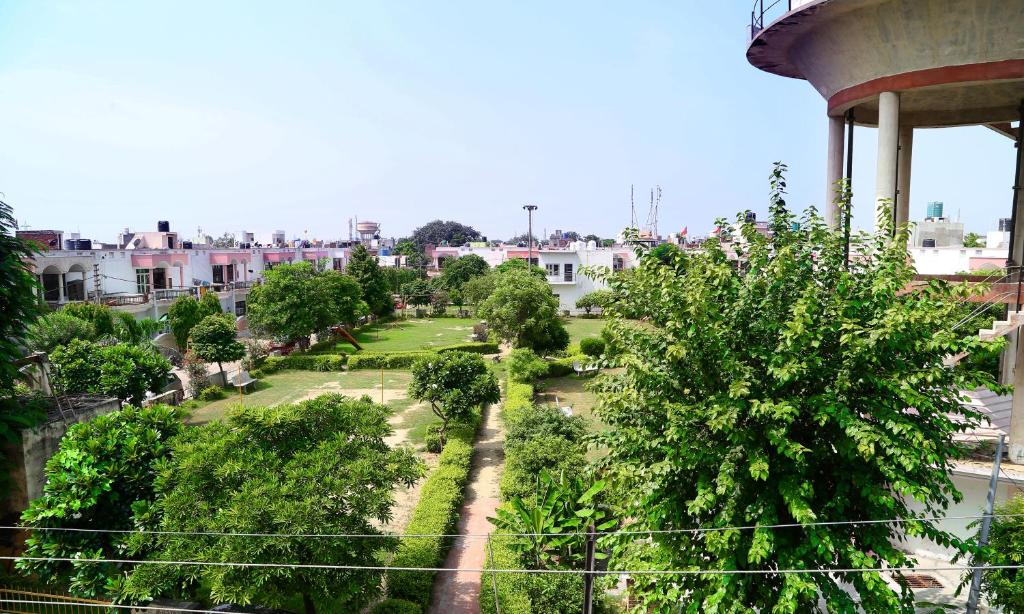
412,334
580,328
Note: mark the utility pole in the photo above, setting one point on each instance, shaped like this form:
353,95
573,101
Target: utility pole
986,525
529,233
96,282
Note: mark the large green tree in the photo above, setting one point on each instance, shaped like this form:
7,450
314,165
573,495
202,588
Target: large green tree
317,467
458,271
56,329
123,370
523,311
438,232
185,312
786,386
363,266
214,339
513,265
454,383
101,471
18,301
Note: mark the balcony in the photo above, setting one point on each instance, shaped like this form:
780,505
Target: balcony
170,294
560,280
121,300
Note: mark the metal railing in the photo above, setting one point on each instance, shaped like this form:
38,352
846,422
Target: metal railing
760,12
169,294
10,596
118,300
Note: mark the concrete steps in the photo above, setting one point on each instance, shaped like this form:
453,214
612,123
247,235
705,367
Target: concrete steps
1000,328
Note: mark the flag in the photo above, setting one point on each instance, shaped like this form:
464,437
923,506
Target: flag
682,233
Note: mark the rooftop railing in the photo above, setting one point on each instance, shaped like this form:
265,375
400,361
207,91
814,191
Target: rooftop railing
762,13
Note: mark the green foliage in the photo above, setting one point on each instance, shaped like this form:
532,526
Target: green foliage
477,289
592,346
433,438
195,370
513,590
523,311
213,340
436,513
185,312
440,232
396,606
18,302
398,277
364,267
973,239
56,329
473,347
1004,588
386,360
519,265
455,384
319,466
417,293
777,391
100,316
560,367
124,371
102,472
211,393
209,303
295,301
524,365
305,362
456,272
597,298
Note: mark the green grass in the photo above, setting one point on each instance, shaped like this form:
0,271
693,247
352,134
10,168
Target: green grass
580,328
570,391
292,386
412,334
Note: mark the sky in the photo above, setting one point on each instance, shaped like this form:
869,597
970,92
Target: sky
257,116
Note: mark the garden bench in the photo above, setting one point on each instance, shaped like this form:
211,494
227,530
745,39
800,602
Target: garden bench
583,370
243,380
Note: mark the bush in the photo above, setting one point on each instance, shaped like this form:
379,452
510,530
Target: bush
560,367
473,347
212,393
513,588
396,606
592,346
518,397
303,362
524,460
437,512
57,329
524,366
386,360
1005,587
433,438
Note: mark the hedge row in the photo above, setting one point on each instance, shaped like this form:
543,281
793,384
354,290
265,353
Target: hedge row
437,512
303,362
473,347
385,360
512,588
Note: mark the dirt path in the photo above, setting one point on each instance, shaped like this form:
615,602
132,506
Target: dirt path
459,592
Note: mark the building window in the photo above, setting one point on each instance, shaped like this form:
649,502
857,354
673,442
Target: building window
339,264
239,308
142,281
552,270
977,252
617,264
568,272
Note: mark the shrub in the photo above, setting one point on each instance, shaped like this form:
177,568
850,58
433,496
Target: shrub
513,588
543,420
195,369
386,360
524,460
1005,587
592,346
433,438
518,397
211,393
396,606
525,366
57,329
473,347
437,512
560,367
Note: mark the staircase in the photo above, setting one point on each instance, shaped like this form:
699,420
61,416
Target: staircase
1000,328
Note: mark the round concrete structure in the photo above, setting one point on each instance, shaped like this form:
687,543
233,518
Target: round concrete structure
954,62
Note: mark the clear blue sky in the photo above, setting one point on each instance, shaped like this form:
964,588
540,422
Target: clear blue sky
300,115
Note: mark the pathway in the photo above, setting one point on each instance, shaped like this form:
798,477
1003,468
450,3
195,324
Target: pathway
459,592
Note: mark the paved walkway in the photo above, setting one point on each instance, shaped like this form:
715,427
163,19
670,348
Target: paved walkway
459,592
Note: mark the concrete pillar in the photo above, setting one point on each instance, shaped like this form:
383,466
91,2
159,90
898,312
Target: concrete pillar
834,169
1017,413
888,141
906,143
1017,249
61,293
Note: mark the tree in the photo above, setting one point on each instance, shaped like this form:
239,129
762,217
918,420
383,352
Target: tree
597,298
454,383
777,391
439,300
596,239
398,277
364,267
225,241
185,312
1004,588
973,239
458,271
523,311
19,303
519,265
100,316
476,290
101,469
56,329
214,340
295,301
440,232
417,293
316,467
123,370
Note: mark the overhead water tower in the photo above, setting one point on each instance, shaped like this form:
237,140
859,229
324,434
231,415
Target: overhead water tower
367,231
900,65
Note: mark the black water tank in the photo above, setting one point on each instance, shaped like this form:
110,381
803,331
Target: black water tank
186,245
750,217
928,243
1005,224
163,226
83,244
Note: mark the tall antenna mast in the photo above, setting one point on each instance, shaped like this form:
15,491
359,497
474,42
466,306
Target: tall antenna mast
632,208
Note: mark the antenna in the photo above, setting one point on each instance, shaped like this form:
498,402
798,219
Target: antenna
632,208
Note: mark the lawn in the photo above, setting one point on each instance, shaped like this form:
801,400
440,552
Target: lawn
412,334
570,392
580,328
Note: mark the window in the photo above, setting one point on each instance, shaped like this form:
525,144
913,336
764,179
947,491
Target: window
552,270
142,281
568,272
339,264
218,274
617,264
239,308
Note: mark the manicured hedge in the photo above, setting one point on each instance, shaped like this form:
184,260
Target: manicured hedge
304,362
437,512
385,360
396,606
560,367
513,588
473,347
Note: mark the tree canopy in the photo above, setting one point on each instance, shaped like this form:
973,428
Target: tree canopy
315,467
18,301
454,383
365,269
973,239
123,370
214,340
458,271
438,232
523,311
597,298
418,292
185,312
788,387
102,468
519,264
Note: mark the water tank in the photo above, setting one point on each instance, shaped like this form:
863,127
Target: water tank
750,217
186,245
928,243
83,244
934,209
367,227
163,226
1005,224
384,251
591,245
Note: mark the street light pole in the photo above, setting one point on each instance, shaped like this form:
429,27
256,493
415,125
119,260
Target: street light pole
529,245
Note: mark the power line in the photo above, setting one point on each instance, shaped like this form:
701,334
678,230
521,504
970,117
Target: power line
498,534
607,572
160,608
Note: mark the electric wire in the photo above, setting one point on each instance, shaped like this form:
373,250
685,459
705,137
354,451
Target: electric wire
98,606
